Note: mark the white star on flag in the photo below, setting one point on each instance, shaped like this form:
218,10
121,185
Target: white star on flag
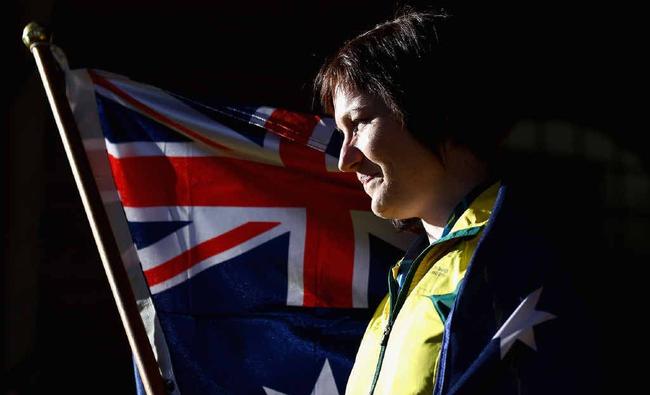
520,324
325,385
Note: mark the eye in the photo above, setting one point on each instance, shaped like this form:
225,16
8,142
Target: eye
359,123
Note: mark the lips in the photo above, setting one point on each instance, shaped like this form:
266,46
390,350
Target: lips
365,178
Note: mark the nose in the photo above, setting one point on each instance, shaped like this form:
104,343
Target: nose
350,157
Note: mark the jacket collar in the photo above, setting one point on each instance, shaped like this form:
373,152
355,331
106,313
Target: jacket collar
474,210
468,217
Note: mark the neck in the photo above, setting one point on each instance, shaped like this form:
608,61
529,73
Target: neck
434,232
465,172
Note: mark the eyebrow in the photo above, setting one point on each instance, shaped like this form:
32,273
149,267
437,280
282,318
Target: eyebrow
357,108
346,115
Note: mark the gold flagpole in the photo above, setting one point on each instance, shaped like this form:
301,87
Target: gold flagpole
38,42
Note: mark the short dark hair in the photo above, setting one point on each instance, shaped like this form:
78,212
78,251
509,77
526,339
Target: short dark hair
417,64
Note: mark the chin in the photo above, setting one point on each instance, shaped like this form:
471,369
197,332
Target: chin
390,211
380,215
383,211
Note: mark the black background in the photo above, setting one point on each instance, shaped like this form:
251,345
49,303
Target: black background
61,329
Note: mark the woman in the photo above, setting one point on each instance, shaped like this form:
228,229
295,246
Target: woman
462,312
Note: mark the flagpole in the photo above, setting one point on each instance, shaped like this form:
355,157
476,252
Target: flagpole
38,42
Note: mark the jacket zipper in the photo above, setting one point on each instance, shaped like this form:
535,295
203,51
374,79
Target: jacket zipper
402,294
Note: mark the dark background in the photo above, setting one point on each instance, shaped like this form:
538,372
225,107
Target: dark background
61,330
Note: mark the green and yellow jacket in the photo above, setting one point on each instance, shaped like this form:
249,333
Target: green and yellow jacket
400,350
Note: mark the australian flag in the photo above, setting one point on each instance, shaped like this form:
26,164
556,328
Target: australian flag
255,262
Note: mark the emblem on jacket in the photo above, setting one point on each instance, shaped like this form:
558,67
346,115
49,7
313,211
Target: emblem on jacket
520,325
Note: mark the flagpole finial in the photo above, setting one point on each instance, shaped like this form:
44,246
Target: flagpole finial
34,34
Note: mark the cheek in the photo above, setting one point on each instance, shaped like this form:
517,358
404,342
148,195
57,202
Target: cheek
376,148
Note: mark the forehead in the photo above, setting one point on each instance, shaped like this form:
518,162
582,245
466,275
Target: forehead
346,101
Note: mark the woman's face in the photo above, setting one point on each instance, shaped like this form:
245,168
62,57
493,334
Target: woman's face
401,176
